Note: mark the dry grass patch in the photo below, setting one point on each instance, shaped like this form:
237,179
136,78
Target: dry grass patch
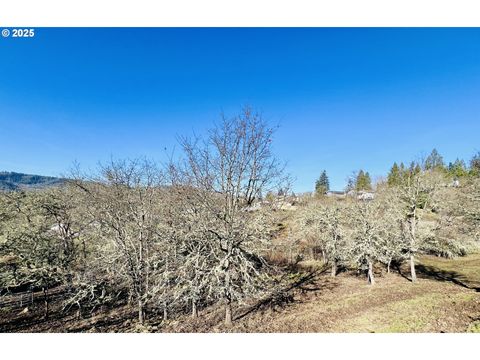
394,304
464,271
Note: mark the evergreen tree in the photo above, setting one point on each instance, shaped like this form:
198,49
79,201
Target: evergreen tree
360,181
475,164
414,169
324,181
322,185
399,174
434,161
394,176
363,181
417,169
403,171
368,181
458,168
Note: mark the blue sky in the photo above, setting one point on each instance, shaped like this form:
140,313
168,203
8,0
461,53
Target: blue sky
345,99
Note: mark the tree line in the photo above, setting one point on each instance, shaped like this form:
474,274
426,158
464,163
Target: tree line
361,180
455,170
415,211
358,181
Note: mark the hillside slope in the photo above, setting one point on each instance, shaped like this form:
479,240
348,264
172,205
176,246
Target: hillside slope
443,300
17,181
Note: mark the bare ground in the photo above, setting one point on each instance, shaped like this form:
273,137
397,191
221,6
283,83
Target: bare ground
446,298
349,304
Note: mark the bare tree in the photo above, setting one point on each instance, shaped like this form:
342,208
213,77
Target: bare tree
228,170
450,229
125,205
325,223
416,195
37,240
469,205
392,216
195,250
64,212
374,227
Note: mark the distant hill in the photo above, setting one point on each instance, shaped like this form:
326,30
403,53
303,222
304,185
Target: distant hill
19,181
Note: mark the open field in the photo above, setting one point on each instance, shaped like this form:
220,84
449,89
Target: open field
394,304
446,298
463,271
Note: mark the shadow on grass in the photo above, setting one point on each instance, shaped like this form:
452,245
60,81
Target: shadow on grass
398,267
284,295
431,272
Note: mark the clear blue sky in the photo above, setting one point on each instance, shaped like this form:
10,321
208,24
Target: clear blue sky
345,99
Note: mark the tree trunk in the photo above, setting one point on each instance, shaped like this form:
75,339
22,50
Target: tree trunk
388,266
140,312
194,309
45,295
413,233
371,278
334,269
228,313
165,312
412,268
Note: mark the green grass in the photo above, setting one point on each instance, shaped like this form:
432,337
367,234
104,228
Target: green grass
474,327
466,269
418,314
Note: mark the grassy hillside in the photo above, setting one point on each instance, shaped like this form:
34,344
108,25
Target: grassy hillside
463,271
436,303
348,304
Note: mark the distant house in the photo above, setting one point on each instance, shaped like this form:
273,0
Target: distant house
340,194
360,195
277,203
365,195
351,193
